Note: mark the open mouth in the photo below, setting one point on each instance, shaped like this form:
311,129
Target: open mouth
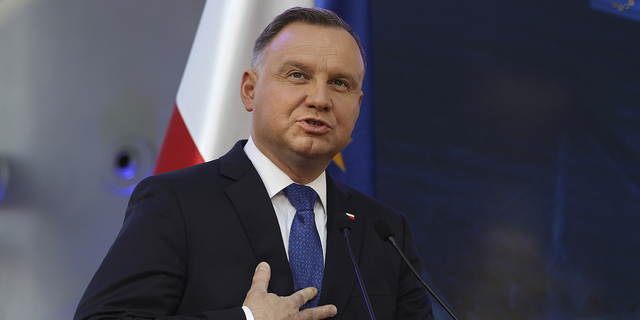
315,123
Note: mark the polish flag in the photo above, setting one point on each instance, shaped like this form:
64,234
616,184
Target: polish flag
209,117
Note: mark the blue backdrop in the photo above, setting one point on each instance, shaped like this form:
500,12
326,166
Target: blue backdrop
509,133
359,157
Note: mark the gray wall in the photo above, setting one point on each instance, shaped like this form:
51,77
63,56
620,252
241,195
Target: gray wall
80,81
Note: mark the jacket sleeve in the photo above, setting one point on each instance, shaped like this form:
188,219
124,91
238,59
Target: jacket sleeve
144,274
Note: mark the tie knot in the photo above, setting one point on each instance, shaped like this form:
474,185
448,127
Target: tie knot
302,197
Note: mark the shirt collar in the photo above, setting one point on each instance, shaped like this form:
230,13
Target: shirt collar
275,179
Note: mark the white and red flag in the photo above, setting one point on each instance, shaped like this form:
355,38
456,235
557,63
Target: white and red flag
209,117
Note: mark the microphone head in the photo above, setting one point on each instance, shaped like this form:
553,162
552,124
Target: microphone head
383,229
343,222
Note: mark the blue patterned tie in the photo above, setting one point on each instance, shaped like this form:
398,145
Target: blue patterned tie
305,249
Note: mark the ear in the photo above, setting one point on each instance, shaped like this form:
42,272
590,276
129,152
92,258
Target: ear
248,88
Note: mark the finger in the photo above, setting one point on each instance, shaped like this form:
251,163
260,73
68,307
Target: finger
322,312
261,277
304,295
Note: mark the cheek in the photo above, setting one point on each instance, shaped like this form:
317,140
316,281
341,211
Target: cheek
273,112
348,117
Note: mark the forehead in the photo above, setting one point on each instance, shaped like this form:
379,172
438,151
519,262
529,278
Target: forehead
304,41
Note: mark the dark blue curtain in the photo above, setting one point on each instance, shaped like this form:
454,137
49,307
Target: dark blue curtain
359,156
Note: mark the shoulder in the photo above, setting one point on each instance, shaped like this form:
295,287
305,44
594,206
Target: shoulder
203,171
168,187
372,209
229,167
232,165
187,178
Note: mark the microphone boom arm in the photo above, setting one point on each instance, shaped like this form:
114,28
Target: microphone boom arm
346,231
391,239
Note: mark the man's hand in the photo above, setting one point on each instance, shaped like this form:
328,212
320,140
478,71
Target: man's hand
268,306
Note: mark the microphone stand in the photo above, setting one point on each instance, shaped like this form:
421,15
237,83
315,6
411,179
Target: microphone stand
346,230
386,234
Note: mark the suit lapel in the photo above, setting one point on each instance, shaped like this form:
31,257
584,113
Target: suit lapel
252,203
339,275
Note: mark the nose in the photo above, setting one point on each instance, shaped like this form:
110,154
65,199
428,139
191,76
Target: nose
318,97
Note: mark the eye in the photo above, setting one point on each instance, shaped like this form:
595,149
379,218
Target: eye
340,83
297,75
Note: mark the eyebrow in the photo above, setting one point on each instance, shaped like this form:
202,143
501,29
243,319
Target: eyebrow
305,68
295,64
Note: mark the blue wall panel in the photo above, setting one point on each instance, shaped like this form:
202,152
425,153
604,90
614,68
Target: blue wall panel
509,134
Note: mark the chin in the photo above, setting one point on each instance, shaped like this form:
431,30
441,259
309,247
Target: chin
315,151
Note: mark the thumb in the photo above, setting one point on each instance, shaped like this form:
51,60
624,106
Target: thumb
261,277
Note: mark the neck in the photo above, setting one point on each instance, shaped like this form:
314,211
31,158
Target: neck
300,169
302,172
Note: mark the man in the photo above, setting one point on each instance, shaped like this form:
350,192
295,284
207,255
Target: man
230,239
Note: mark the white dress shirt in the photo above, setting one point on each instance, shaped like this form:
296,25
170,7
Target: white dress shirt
275,180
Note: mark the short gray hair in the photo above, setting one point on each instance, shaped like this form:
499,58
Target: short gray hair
312,16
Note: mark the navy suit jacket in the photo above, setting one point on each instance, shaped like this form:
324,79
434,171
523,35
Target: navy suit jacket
192,238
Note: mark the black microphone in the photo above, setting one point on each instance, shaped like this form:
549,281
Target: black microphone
386,233
344,226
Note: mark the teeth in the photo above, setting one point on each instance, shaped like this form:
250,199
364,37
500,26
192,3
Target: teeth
317,124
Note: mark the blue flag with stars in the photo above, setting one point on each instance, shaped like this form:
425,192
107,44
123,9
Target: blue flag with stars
356,164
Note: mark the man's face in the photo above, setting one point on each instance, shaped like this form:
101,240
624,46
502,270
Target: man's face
306,95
